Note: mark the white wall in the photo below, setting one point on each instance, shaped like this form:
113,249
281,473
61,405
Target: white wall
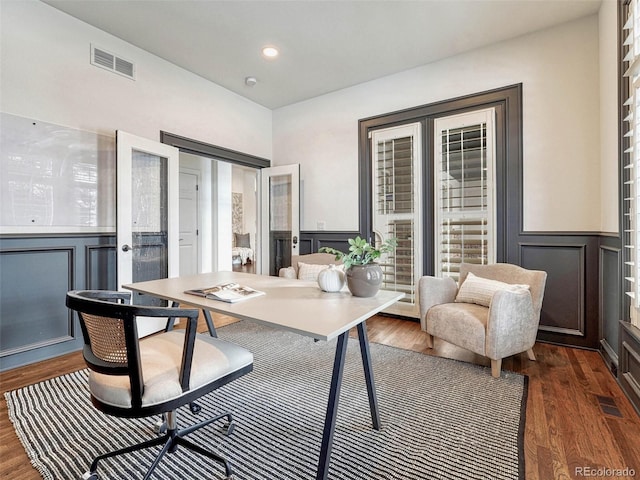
608,20
244,182
559,71
568,151
46,75
222,229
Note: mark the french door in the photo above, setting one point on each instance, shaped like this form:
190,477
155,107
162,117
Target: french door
397,210
147,223
464,191
280,219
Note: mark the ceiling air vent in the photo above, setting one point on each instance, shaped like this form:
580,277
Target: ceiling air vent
103,59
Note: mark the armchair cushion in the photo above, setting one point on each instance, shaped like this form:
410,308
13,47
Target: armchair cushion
466,323
480,290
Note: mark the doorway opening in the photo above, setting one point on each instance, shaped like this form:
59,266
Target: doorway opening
219,207
218,216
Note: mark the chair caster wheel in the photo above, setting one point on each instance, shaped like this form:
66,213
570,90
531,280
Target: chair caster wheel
160,427
195,408
90,476
230,428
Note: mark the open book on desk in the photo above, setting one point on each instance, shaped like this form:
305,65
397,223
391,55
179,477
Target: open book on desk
226,292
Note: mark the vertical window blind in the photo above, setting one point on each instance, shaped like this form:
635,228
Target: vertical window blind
464,192
396,206
631,149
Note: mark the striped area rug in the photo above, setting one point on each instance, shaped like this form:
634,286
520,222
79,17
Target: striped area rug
441,419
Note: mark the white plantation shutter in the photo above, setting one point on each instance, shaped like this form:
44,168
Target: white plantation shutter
396,209
631,193
464,186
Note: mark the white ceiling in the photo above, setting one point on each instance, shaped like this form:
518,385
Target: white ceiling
324,45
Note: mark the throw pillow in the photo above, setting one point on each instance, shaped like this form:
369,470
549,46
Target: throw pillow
242,240
309,271
480,290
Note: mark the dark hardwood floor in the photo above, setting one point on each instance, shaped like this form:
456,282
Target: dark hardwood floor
249,267
578,420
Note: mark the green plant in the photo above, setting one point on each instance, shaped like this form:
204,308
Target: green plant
361,252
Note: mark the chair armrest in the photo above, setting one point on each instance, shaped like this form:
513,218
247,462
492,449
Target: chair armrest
188,349
512,325
287,272
434,291
191,315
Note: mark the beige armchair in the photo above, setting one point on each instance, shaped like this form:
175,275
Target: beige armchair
505,325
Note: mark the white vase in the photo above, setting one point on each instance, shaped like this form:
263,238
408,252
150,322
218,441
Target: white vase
331,279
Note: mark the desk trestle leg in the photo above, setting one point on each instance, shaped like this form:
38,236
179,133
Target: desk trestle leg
332,407
368,374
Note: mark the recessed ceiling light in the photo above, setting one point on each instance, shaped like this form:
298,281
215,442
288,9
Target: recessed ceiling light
270,52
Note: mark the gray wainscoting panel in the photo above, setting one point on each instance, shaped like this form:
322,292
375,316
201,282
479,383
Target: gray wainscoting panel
610,303
629,373
34,284
563,305
101,267
35,274
312,241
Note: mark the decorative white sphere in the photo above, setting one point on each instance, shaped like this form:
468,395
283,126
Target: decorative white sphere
331,279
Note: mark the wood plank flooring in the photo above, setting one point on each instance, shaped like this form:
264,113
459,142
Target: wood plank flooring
577,416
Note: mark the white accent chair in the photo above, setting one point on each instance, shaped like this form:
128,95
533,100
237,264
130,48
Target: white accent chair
507,326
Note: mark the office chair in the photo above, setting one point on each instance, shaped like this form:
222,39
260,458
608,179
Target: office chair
132,378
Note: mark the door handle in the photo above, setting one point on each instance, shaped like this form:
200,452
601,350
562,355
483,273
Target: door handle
126,248
295,240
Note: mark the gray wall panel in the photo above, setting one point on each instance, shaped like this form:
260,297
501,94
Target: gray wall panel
610,303
35,274
101,267
34,284
563,305
629,373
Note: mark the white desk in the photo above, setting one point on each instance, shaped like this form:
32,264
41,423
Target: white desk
296,306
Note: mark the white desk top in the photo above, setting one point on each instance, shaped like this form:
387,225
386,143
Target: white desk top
293,305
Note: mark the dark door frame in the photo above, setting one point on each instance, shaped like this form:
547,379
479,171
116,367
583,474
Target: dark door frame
507,102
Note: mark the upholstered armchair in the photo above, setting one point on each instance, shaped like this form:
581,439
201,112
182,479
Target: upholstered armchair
493,311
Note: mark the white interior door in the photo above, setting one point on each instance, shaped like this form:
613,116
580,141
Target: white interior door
280,217
147,220
189,214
